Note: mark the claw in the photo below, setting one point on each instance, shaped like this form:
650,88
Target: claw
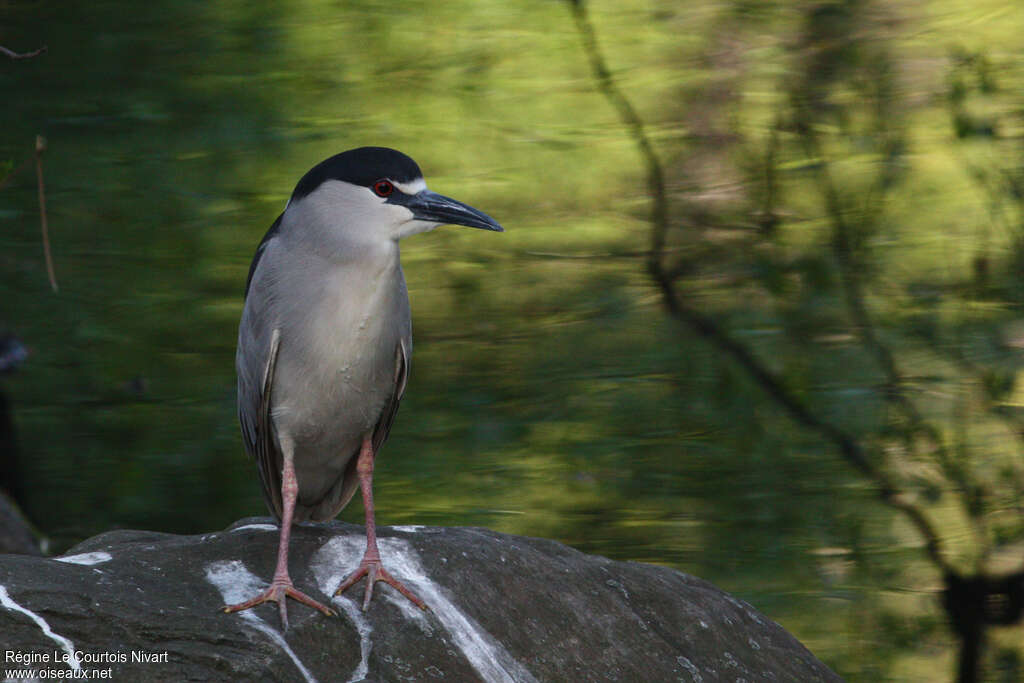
374,572
279,591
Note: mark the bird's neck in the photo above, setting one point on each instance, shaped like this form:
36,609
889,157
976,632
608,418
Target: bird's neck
335,239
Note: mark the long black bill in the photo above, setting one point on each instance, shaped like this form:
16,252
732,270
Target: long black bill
436,208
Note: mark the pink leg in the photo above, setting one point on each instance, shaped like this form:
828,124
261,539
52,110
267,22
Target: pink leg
371,567
281,587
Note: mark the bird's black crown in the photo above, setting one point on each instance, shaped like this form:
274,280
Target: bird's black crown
361,166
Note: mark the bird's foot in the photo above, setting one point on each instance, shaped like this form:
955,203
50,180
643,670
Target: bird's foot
279,591
374,572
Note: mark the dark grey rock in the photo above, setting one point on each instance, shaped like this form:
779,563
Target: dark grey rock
503,608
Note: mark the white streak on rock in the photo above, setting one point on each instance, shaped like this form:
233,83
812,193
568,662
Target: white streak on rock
65,644
260,527
86,559
364,629
237,584
409,528
485,654
341,555
334,560
328,567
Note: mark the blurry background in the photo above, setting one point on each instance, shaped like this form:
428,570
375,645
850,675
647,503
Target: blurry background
551,393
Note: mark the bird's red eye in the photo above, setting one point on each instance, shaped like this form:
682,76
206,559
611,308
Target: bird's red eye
383,188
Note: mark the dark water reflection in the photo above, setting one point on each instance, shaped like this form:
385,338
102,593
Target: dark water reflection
550,395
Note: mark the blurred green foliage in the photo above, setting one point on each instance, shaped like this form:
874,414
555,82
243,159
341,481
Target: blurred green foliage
550,394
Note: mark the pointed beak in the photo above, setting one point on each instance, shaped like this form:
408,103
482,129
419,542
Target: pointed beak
436,208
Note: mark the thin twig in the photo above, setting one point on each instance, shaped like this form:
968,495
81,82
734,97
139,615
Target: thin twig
40,148
22,55
853,290
848,446
629,116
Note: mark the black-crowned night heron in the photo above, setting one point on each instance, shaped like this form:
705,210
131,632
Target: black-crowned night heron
325,342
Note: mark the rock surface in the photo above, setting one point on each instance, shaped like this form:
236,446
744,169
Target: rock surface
503,608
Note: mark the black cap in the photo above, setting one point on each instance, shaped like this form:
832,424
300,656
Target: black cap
361,166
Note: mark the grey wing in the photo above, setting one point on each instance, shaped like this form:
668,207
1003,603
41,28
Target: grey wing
275,228
257,358
387,417
257,427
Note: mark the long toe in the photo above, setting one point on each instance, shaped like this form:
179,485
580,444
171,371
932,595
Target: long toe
279,592
269,595
352,579
374,572
385,576
296,594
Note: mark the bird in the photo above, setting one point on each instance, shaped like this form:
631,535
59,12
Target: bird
325,344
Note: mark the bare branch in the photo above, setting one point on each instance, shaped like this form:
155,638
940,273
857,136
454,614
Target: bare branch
853,290
848,446
41,190
40,148
23,55
630,117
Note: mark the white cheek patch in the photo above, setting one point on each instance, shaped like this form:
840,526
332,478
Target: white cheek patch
412,187
413,227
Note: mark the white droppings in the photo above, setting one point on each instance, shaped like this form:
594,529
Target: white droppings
87,559
409,528
237,584
333,563
65,644
342,551
363,628
480,649
258,527
334,560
